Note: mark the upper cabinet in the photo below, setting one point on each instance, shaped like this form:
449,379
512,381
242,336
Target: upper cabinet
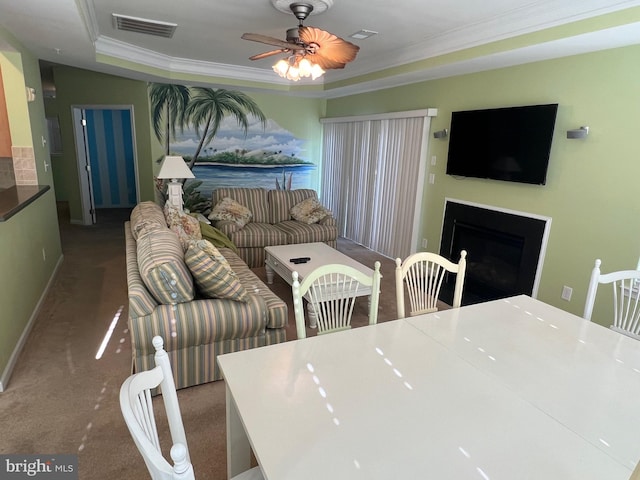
5,133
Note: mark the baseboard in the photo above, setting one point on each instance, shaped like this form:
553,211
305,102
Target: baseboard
6,374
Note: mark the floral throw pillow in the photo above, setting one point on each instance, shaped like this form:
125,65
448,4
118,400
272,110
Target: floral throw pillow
229,209
185,226
212,272
309,211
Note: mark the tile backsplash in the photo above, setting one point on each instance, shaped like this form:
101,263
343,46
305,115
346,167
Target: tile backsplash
7,177
24,166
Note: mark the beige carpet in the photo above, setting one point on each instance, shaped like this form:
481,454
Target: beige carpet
61,399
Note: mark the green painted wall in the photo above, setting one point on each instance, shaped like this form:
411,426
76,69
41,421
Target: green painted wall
82,87
57,161
77,87
591,191
301,117
24,273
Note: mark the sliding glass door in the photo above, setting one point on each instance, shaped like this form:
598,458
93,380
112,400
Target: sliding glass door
373,178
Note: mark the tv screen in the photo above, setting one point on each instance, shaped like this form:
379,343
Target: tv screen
511,144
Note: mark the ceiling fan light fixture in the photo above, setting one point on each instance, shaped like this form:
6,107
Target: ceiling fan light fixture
305,45
296,67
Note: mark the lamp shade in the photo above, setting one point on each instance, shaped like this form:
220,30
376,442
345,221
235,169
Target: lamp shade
173,166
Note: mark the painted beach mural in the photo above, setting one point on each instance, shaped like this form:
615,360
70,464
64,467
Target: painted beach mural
226,140
269,158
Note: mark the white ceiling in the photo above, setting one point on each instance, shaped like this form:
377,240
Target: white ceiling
207,39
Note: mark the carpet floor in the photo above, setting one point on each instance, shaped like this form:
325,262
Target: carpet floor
61,399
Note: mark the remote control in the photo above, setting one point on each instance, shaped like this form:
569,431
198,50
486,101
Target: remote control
300,260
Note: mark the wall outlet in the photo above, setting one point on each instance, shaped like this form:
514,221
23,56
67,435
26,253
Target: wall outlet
432,178
424,243
433,160
566,293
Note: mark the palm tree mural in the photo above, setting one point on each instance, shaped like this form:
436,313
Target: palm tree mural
168,107
208,108
175,107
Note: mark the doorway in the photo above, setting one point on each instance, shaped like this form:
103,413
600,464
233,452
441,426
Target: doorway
107,165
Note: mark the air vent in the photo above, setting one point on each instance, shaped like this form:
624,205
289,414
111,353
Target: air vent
143,25
362,34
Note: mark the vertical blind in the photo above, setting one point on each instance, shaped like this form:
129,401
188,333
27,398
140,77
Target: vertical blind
373,178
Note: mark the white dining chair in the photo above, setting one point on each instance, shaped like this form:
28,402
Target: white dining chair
136,404
626,296
423,273
331,294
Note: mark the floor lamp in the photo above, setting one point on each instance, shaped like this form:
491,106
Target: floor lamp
174,168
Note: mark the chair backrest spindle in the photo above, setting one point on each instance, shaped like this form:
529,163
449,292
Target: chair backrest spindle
626,298
331,292
136,404
422,274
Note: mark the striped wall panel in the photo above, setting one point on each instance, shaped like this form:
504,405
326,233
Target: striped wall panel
110,146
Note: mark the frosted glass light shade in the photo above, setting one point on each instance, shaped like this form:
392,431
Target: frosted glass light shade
305,67
281,67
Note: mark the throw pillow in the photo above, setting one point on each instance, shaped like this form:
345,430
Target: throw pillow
212,272
146,216
185,226
309,211
229,209
162,267
216,237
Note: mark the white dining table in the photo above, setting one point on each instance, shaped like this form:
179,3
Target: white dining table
511,389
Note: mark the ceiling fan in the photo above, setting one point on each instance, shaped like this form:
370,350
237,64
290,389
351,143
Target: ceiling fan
316,45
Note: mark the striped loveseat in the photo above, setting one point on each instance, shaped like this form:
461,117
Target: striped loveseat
195,330
271,222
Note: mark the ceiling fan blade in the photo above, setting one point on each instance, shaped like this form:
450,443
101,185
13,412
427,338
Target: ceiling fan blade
270,53
334,50
255,37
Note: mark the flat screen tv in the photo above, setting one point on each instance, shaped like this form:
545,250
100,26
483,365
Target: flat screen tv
511,144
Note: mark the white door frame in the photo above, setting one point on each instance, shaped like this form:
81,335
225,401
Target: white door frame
83,160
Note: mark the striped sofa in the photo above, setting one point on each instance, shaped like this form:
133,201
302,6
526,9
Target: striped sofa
271,222
195,330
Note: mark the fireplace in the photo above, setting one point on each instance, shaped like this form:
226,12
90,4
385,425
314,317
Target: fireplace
505,250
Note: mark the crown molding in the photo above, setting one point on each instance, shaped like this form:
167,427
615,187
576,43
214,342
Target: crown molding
610,38
130,53
599,40
88,15
149,58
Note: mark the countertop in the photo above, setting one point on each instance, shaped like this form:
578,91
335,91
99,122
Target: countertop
14,199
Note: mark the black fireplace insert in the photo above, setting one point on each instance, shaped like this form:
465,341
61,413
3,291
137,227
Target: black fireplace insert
503,250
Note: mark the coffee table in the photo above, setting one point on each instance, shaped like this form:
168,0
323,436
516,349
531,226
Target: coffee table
278,261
